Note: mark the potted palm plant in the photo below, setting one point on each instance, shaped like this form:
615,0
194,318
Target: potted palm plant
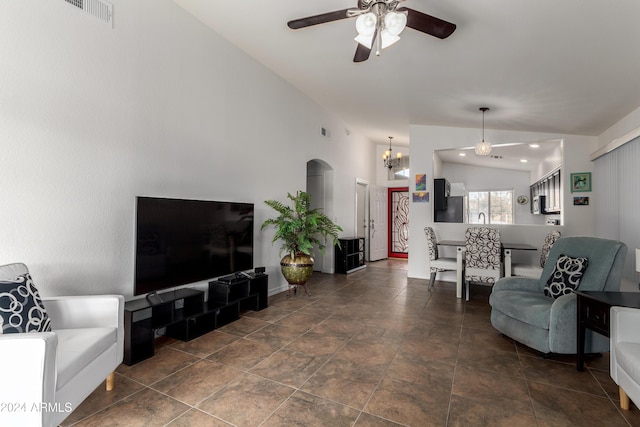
300,229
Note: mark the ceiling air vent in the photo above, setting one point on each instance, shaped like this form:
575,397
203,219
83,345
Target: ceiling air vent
96,8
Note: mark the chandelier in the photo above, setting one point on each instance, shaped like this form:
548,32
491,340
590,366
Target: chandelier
483,148
382,26
387,158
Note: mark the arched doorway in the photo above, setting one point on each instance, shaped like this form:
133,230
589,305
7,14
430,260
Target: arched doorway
320,188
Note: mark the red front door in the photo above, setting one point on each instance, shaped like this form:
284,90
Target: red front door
399,222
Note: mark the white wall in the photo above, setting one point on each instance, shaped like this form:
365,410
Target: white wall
159,105
578,220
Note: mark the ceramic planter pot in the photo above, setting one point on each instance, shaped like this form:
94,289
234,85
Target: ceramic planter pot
297,271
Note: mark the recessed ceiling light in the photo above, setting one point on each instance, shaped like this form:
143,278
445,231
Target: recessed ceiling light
534,145
462,154
523,160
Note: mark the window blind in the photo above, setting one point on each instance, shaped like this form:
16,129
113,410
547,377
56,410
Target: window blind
617,207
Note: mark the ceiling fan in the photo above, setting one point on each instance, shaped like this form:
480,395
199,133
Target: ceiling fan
380,22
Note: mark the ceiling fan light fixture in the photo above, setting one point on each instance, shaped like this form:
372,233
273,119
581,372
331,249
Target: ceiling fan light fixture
366,41
395,22
366,24
373,17
388,38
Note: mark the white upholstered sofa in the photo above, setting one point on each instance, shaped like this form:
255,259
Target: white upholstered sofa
45,375
625,353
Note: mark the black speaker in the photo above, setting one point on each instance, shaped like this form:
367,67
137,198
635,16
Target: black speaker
259,270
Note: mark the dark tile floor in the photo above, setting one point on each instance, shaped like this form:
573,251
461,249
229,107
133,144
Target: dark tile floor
372,348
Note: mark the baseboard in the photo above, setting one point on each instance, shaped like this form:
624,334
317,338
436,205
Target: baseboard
281,288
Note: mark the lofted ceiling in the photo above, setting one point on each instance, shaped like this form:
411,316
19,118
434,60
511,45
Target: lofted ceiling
565,67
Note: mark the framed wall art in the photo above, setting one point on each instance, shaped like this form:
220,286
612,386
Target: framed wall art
580,182
581,201
420,197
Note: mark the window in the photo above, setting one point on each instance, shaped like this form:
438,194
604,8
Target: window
490,207
400,169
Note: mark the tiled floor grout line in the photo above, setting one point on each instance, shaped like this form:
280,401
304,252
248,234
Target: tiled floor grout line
455,366
396,305
144,386
284,346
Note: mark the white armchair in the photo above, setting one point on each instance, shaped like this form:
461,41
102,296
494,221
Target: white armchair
46,375
625,353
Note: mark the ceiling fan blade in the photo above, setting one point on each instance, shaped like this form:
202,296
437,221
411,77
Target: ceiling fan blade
318,19
362,53
428,24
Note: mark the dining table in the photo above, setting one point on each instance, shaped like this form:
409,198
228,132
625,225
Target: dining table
507,248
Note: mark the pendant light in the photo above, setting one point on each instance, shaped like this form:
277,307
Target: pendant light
483,148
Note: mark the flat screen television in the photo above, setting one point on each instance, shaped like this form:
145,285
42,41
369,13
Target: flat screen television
185,241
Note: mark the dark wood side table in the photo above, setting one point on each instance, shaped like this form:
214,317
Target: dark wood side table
593,313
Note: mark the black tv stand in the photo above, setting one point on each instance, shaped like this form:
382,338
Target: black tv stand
234,278
154,298
186,315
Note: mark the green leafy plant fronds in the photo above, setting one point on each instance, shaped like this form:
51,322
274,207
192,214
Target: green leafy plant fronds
299,227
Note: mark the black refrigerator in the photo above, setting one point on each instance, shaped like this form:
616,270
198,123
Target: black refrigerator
454,212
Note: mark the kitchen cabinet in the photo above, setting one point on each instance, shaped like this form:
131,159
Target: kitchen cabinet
549,186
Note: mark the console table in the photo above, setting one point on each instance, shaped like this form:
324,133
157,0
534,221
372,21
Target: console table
593,313
186,315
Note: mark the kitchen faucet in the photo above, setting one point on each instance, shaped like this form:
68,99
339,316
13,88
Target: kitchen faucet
484,218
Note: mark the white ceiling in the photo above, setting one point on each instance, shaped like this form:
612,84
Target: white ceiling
558,66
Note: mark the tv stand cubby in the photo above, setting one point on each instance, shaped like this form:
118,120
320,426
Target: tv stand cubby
349,255
186,315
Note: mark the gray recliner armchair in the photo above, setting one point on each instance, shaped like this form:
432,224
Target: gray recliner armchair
521,310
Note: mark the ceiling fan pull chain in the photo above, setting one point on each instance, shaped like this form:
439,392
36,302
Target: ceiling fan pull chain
379,28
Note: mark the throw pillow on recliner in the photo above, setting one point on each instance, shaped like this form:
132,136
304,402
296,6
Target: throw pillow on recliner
566,276
21,309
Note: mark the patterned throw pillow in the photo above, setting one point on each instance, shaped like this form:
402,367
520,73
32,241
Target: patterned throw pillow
21,308
566,276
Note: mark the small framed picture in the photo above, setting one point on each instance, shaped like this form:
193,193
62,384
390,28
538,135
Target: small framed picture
580,182
420,197
580,201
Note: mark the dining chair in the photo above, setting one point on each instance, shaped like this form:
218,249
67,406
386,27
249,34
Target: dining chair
532,270
483,252
436,263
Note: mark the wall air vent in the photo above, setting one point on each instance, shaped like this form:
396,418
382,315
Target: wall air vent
97,8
